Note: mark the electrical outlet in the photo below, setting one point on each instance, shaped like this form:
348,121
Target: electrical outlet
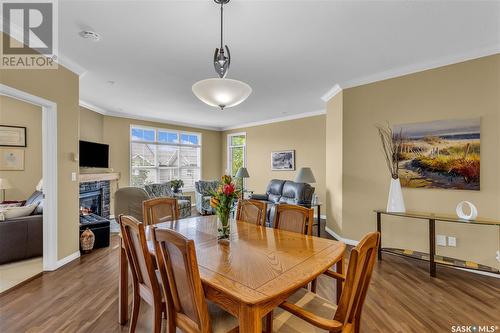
73,176
441,240
452,241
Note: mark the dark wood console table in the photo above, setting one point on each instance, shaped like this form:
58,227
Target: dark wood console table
431,218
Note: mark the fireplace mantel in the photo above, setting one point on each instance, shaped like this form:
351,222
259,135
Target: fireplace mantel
98,177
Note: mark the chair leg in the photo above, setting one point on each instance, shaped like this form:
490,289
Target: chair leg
314,284
157,318
136,303
269,322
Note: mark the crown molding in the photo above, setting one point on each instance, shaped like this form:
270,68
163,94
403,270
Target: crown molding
109,113
423,66
331,93
276,120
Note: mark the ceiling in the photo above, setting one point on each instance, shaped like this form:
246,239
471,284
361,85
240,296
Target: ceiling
290,52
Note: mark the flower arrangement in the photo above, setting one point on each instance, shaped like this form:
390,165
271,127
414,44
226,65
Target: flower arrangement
176,184
222,202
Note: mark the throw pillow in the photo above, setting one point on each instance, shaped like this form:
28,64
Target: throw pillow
13,212
7,205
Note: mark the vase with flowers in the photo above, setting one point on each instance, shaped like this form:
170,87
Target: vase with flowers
223,202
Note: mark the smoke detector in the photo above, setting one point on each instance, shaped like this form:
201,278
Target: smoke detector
93,36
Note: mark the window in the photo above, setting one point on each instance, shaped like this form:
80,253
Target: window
236,152
160,155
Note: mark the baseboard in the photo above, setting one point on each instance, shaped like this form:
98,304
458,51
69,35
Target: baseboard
67,260
20,284
323,217
338,237
476,271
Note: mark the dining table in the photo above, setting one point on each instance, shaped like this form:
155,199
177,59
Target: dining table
253,272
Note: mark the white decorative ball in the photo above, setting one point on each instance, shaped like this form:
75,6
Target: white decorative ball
460,210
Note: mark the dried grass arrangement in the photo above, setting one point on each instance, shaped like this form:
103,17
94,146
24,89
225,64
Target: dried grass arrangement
391,147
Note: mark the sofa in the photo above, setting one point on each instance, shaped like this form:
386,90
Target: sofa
203,189
22,237
284,192
164,190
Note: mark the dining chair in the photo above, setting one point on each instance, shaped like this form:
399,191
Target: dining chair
145,280
187,308
312,313
252,211
294,218
160,210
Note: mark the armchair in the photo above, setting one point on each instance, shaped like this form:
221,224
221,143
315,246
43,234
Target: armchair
164,190
202,192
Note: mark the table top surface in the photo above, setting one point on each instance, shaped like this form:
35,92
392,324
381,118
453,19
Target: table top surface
440,217
259,263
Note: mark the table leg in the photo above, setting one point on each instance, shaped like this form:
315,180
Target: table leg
432,247
379,229
340,270
250,319
319,221
123,287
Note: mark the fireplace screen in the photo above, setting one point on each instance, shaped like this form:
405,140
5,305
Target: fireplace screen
91,203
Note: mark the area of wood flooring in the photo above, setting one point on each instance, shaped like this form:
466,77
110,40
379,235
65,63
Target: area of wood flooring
82,297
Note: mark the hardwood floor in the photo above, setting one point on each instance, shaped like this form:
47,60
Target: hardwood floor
82,297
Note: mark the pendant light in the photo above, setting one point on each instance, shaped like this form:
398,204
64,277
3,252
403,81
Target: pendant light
222,92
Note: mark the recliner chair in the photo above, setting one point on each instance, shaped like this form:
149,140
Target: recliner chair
285,191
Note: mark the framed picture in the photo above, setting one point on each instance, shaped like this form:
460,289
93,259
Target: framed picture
443,154
11,159
283,160
12,136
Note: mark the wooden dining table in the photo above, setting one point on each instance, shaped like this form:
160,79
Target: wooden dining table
251,274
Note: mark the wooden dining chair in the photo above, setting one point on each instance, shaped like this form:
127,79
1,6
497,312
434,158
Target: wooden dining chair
187,308
252,211
294,218
145,280
313,313
160,210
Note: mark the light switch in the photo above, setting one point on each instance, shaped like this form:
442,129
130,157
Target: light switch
452,241
441,240
73,176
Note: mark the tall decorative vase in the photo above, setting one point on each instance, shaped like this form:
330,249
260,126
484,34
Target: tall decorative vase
395,202
223,228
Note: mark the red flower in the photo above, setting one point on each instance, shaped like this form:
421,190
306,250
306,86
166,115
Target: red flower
228,189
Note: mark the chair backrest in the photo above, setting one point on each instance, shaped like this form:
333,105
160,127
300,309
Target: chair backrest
252,211
160,210
139,258
359,272
294,218
205,187
186,305
128,201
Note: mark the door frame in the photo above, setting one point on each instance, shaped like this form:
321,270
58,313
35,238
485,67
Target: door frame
49,163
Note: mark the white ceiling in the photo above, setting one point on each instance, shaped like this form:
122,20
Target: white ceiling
290,52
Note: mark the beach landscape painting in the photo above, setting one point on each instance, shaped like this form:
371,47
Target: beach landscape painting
440,154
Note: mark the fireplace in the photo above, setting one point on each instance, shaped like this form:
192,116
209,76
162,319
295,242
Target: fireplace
91,203
94,210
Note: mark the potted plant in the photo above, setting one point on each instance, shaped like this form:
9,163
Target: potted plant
222,202
391,147
176,185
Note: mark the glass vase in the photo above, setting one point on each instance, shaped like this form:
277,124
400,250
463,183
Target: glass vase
223,228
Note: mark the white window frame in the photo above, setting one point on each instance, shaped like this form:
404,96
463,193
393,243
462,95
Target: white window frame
229,146
155,142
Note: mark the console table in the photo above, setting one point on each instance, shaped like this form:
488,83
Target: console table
431,218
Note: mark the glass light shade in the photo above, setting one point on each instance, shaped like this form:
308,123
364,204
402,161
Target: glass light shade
220,92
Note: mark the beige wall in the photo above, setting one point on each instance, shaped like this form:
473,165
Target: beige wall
91,124
62,87
333,159
464,90
306,136
17,113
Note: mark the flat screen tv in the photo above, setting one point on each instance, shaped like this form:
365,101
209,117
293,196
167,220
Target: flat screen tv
94,155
